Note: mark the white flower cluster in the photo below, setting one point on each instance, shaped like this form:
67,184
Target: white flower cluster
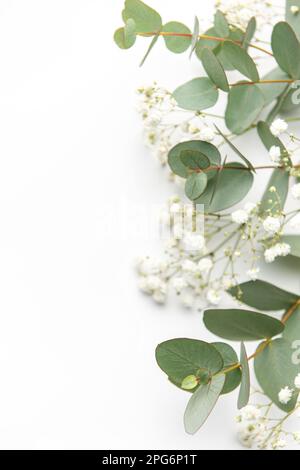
257,428
286,394
280,249
165,125
239,12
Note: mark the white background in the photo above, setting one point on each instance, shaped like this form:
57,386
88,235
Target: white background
77,339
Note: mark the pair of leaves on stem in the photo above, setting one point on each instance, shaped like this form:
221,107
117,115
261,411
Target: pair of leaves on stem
210,183
197,366
278,362
205,369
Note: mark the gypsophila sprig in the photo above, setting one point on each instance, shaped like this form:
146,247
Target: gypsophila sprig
250,56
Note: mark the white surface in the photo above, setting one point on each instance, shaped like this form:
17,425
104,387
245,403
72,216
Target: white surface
77,340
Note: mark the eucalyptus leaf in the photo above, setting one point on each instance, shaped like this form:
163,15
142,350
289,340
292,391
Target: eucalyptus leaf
241,325
205,148
236,150
195,35
293,18
125,37
250,31
268,139
286,49
274,369
152,44
273,201
240,60
292,329
274,90
147,20
214,69
197,94
233,378
195,185
202,403
234,183
182,357
294,242
244,105
236,35
205,42
194,160
244,393
263,295
221,25
177,44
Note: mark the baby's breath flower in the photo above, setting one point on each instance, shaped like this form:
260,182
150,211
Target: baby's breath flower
272,224
213,297
253,273
275,154
278,127
205,265
285,395
240,216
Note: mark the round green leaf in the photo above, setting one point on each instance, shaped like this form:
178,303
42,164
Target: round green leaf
244,393
205,148
236,35
202,403
233,378
233,186
146,19
245,102
189,383
294,242
274,369
240,60
182,357
194,160
241,325
203,42
195,185
197,94
122,39
214,69
273,91
264,296
177,44
286,49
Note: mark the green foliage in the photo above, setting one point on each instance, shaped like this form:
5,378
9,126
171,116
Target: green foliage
177,44
146,19
221,25
126,37
233,378
182,357
274,90
294,242
214,69
202,403
275,370
241,325
286,49
195,35
194,160
240,60
263,296
244,106
195,185
244,393
236,150
250,31
292,328
197,94
272,201
234,183
204,148
293,18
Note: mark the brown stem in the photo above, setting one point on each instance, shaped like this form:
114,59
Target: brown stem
203,36
228,167
290,311
262,82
